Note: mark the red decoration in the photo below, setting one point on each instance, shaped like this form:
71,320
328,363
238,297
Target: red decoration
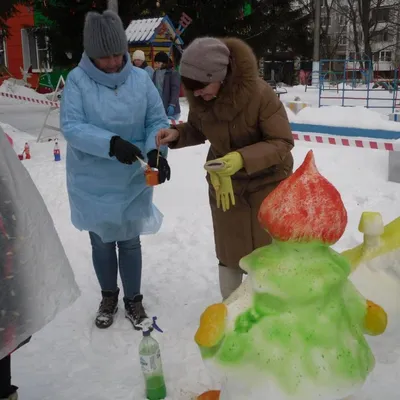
27,151
185,20
304,207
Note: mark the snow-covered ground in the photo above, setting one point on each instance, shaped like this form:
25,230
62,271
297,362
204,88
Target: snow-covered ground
72,359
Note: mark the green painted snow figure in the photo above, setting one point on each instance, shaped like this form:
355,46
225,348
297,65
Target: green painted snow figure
295,328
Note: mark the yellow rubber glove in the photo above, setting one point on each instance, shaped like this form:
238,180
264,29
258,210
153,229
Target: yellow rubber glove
233,163
223,189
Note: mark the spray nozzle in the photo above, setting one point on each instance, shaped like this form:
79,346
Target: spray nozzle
148,325
155,326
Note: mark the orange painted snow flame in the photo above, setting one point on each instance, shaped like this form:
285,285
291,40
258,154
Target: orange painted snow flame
304,207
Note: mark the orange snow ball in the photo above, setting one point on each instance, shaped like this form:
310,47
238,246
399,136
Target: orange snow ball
305,207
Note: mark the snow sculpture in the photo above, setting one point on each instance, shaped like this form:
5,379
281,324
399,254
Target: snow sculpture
376,274
294,330
36,278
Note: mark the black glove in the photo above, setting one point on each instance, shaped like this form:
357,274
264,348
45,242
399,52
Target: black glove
164,171
124,151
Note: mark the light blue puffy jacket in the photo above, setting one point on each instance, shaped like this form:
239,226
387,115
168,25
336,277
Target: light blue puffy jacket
107,197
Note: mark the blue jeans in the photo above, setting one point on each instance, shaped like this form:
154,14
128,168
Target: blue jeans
105,264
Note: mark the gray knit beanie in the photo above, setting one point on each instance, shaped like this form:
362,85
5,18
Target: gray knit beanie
104,35
205,60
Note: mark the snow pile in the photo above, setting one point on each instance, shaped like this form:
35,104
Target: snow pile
354,117
9,87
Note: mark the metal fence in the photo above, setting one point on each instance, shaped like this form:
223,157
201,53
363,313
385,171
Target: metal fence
349,83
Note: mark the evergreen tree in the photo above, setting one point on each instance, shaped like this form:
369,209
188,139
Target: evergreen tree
63,21
267,25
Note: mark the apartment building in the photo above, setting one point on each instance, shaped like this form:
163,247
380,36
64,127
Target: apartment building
342,31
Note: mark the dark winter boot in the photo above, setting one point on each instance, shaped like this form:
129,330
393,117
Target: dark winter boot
107,309
13,395
134,311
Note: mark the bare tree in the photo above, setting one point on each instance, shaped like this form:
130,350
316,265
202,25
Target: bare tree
374,26
332,32
378,22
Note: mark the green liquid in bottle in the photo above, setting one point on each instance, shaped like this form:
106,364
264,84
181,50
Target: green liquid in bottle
155,388
150,360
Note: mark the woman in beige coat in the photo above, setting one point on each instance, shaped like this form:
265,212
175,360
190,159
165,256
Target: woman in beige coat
250,136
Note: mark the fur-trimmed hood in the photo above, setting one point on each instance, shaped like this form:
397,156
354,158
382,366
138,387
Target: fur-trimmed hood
238,86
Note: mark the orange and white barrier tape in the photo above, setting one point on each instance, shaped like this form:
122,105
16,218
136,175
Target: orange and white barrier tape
374,144
367,143
49,103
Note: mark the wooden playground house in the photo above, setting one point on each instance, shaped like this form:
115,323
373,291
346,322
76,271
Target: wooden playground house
153,35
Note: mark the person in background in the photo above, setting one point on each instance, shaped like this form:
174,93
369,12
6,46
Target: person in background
139,60
168,84
110,115
36,278
251,140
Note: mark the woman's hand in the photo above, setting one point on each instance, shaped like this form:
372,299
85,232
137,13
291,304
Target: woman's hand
165,136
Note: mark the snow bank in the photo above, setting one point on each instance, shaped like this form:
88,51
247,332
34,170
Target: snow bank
8,87
353,117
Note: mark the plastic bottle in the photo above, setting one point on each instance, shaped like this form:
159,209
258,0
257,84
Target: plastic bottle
150,361
56,152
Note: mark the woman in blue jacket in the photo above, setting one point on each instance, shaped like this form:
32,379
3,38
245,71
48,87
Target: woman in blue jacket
110,115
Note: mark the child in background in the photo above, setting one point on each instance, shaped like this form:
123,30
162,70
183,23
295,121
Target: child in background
139,61
168,84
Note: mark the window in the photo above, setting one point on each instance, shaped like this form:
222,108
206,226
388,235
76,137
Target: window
342,20
342,41
3,52
381,14
327,21
386,36
385,56
382,36
36,51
